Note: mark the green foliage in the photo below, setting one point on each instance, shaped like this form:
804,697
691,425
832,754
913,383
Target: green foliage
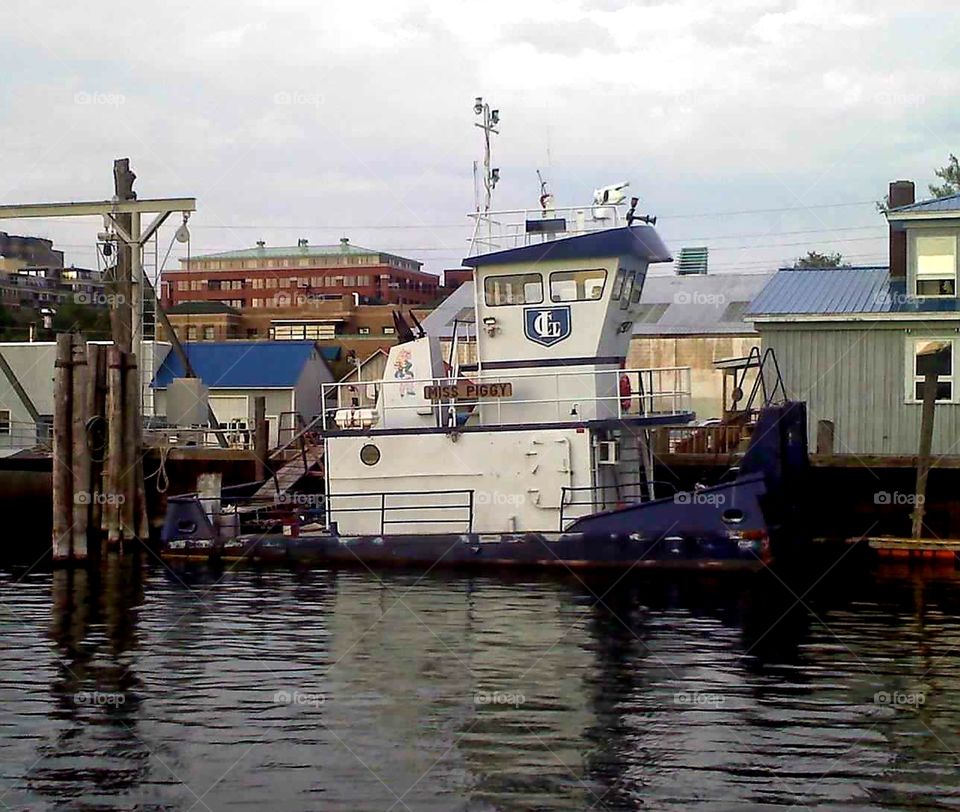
950,175
814,259
85,318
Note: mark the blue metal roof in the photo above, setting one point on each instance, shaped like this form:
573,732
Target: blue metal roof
838,291
637,241
948,203
239,364
330,352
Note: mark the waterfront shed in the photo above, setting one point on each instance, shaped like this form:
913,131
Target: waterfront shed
288,374
855,342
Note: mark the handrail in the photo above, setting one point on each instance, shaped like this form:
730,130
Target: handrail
568,489
384,509
311,426
656,390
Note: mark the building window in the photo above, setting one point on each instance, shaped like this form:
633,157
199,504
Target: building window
935,264
257,283
4,422
577,286
513,289
926,355
208,333
389,331
191,333
183,285
363,331
251,332
271,282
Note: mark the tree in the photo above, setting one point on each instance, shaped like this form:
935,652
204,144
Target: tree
950,175
814,259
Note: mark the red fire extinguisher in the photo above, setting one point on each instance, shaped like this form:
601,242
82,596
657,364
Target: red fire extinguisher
626,393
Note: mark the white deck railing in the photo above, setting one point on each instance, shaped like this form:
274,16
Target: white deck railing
499,230
575,395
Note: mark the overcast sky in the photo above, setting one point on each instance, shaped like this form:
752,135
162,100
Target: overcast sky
291,118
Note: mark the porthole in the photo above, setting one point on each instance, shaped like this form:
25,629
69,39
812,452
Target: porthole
369,454
732,516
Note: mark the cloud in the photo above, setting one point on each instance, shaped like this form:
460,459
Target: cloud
307,118
567,37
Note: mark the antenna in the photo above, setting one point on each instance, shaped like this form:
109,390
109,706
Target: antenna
546,197
490,120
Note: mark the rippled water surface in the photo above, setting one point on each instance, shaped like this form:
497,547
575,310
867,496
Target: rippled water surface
348,691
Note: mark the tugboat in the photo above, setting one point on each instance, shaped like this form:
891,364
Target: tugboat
539,453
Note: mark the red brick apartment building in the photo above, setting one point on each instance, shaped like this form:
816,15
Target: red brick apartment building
265,277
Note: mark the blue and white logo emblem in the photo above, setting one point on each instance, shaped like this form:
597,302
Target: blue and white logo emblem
546,325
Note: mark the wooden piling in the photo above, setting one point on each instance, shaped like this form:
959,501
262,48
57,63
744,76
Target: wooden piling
114,462
62,449
83,491
260,438
128,505
923,456
96,395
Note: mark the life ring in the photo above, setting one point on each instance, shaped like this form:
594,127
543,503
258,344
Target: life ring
626,393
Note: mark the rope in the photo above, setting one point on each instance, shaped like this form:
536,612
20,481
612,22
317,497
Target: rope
161,472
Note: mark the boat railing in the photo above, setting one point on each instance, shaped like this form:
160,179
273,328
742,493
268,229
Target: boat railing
514,228
401,507
596,497
23,434
569,395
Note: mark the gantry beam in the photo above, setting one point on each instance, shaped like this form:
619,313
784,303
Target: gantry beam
97,207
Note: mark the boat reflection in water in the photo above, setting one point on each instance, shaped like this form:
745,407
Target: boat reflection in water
340,690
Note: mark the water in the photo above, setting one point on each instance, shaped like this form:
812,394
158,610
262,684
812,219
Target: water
288,690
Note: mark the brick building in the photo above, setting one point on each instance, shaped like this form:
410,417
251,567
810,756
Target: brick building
262,277
342,326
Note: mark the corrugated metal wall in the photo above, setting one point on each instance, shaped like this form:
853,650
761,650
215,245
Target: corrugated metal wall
854,376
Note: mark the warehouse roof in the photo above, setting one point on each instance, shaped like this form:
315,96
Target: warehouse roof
240,364
841,292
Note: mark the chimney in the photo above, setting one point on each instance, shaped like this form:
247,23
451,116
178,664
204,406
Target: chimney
901,193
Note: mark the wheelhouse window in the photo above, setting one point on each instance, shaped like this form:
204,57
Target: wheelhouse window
627,290
936,265
513,289
577,286
933,356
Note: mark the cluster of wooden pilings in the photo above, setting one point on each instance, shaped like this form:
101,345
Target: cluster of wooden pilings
98,487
